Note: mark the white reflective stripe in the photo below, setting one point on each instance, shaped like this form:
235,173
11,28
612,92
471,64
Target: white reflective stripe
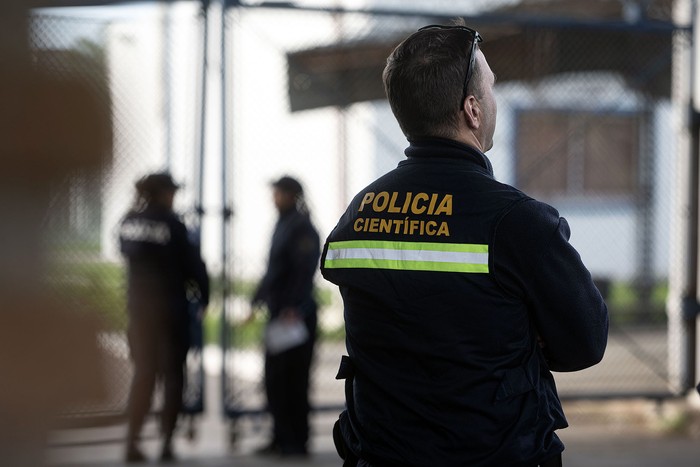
409,255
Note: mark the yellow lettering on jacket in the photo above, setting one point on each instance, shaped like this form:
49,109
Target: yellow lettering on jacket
432,204
405,226
445,206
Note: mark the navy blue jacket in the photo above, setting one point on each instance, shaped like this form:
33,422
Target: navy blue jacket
461,294
161,261
292,264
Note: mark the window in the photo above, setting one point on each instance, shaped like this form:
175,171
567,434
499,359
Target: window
577,153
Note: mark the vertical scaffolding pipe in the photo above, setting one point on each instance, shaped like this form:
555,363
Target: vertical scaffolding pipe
683,267
166,70
196,378
202,127
226,212
693,306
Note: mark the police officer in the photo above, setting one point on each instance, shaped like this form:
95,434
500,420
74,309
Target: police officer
461,293
162,264
286,289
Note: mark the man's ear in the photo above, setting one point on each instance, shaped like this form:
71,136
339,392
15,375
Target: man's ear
472,112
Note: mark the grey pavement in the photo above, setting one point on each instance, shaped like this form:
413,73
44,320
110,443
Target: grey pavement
606,434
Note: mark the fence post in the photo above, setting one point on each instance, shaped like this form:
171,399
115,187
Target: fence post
683,267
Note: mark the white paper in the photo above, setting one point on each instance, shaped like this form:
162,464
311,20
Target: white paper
283,334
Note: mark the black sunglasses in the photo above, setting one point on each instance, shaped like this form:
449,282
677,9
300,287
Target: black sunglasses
475,38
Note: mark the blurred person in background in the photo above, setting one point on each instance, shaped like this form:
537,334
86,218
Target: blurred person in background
461,293
163,268
286,289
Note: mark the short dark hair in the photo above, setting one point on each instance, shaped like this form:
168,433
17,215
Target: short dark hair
424,81
289,185
153,184
149,189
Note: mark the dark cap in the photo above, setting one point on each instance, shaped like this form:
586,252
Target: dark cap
289,185
157,182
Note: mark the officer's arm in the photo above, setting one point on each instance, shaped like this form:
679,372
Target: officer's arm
304,263
193,264
534,261
199,274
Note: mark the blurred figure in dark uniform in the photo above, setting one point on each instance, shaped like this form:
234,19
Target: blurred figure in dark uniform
163,264
286,289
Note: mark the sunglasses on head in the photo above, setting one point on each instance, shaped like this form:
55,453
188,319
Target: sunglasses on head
475,38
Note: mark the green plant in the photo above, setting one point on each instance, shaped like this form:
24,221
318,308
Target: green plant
92,286
626,303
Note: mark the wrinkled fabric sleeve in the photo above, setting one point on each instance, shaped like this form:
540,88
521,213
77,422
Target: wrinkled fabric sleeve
534,262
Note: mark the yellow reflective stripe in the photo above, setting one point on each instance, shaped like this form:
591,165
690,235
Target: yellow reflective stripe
408,256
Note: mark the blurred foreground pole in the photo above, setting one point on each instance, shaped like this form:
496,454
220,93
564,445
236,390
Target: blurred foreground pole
682,302
49,128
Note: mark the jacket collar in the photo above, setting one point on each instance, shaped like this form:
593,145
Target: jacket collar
440,148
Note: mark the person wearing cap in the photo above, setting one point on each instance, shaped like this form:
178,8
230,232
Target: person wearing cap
286,290
461,293
164,267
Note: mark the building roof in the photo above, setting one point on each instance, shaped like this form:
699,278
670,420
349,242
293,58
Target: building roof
523,42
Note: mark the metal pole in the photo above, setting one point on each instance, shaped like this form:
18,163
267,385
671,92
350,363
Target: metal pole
225,334
167,82
196,353
683,268
690,316
201,137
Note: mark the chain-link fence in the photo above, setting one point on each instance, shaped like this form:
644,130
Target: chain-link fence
152,94
585,123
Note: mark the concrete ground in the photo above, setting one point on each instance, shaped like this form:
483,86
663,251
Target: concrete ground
634,433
